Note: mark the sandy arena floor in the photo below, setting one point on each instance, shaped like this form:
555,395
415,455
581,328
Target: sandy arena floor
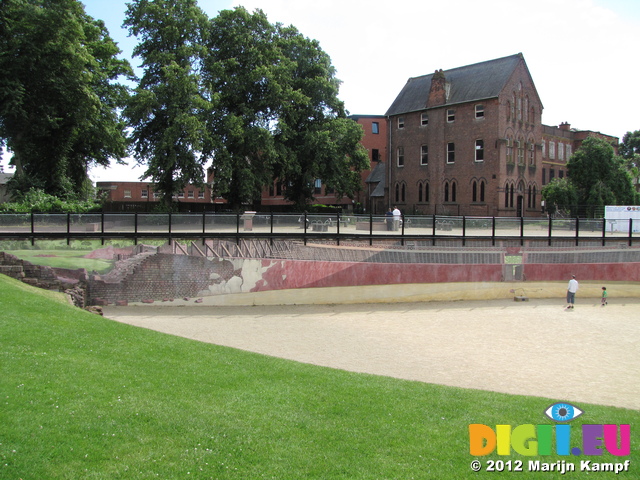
590,354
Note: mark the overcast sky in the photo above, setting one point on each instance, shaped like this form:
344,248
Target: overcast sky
581,53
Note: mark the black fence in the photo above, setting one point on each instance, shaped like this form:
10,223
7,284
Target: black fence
335,227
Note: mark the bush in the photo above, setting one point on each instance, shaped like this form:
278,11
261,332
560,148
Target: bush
37,201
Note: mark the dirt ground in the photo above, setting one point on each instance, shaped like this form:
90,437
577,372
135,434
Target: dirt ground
589,354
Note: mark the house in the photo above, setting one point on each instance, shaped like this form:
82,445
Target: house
4,179
467,141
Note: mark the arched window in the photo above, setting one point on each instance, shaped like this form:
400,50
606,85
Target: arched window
419,192
397,192
482,191
453,191
474,191
446,191
426,192
404,192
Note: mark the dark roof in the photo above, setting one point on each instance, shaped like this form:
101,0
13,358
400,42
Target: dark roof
378,175
473,82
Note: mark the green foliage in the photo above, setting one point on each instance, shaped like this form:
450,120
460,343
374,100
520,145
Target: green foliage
276,113
600,177
560,193
167,109
38,201
59,99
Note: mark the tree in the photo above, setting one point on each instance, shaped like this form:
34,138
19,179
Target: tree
315,138
244,73
276,112
599,176
59,99
629,149
167,110
560,194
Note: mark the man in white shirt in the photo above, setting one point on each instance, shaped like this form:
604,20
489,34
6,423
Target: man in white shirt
572,288
396,218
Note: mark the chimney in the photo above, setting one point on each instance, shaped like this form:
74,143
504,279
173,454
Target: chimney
437,93
565,126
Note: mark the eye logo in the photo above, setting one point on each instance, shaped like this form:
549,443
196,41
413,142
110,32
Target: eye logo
563,412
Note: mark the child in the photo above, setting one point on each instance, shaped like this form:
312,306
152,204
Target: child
604,296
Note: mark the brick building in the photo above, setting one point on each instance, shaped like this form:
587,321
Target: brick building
467,141
470,141
140,196
559,143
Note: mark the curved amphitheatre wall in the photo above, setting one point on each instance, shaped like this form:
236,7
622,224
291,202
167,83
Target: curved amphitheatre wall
192,277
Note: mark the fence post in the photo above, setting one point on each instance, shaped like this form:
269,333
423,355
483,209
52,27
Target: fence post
135,228
493,231
370,228
305,228
33,238
433,231
464,230
521,231
68,229
577,231
550,227
604,232
630,232
102,227
338,226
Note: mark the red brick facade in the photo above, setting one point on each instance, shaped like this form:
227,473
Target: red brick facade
479,156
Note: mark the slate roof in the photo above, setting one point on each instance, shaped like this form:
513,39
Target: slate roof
378,175
473,82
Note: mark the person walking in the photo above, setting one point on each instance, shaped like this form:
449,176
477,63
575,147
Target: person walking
603,302
572,288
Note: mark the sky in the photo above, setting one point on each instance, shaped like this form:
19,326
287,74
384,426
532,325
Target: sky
581,53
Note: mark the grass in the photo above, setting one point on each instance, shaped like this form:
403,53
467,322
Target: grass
86,397
70,259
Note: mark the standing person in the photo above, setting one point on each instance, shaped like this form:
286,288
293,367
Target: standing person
572,288
389,219
396,218
604,296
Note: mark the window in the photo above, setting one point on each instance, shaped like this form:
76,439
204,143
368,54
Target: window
482,191
424,155
479,111
509,111
397,192
127,194
401,156
544,149
450,191
156,195
544,176
552,150
423,192
560,151
317,186
477,191
451,116
375,128
191,194
552,174
532,156
145,193
426,192
479,150
451,152
424,119
453,191
520,145
181,195
400,122
509,150
201,195
279,189
446,191
568,152
375,155
404,193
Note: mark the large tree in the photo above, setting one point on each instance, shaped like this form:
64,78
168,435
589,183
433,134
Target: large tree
276,115
600,176
168,108
315,138
59,98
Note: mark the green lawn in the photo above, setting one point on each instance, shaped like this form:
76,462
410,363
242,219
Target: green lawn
86,397
70,259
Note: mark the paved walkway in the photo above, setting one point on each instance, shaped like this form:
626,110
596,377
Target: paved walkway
590,354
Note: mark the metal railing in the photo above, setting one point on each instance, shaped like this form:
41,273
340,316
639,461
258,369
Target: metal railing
135,226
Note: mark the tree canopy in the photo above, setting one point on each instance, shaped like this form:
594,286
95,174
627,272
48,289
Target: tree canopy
59,96
276,114
167,108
